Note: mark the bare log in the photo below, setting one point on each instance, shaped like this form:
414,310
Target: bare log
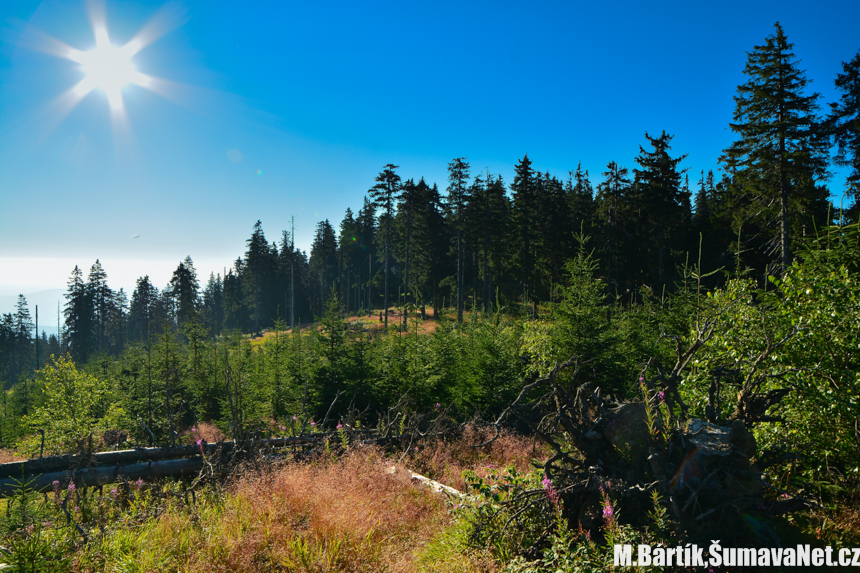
72,462
104,475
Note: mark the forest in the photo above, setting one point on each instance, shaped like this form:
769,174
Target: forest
730,297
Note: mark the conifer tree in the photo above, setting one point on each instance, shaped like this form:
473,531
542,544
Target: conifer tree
524,216
662,207
581,200
845,120
257,277
611,196
779,154
458,178
142,311
384,195
101,297
78,318
184,288
366,238
323,265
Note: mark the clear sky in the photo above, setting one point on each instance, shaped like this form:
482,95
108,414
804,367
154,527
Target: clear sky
267,110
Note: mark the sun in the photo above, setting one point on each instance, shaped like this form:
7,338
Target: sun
108,68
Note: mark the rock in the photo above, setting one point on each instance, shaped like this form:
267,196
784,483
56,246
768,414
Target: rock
709,439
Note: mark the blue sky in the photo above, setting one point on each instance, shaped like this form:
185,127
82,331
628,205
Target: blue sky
278,109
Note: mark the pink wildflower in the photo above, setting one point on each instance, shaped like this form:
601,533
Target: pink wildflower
661,397
71,486
339,426
295,418
314,424
551,492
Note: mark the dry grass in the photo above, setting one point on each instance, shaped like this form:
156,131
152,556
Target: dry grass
7,455
445,460
343,515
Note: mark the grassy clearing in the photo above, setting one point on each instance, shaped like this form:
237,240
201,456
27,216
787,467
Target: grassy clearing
331,515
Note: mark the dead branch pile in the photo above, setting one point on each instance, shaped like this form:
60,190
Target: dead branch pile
706,474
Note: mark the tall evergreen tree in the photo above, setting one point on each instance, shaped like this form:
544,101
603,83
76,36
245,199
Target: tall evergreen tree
779,154
257,277
384,195
101,297
366,238
458,179
323,265
581,199
184,288
143,311
611,196
845,119
23,337
524,217
213,312
78,318
662,208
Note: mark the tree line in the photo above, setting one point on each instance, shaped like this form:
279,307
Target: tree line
485,243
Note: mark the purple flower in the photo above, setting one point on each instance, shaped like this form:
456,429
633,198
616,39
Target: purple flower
608,512
339,426
438,405
71,486
194,429
56,485
661,397
200,445
282,428
551,492
139,483
642,379
113,492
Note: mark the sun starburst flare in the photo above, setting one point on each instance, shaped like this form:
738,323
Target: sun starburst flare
107,67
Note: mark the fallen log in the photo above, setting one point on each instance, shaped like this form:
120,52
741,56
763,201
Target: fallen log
110,467
99,476
66,462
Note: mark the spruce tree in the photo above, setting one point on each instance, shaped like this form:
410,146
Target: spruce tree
524,216
384,195
779,153
458,178
184,288
845,119
662,208
323,265
611,198
78,318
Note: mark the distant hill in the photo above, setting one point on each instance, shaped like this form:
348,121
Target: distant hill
47,301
